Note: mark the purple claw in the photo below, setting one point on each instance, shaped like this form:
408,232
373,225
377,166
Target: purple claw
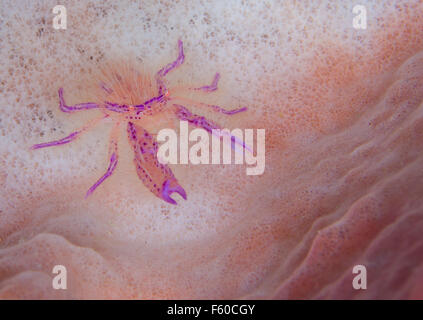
167,192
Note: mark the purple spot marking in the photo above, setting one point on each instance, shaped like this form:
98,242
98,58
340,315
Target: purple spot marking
132,131
148,103
116,107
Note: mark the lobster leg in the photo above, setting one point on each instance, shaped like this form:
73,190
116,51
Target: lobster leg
165,70
212,87
113,153
76,107
70,137
199,121
211,106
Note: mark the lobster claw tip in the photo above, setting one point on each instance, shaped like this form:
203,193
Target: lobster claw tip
181,191
168,190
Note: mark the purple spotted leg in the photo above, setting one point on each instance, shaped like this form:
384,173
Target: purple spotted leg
212,87
70,137
109,172
75,134
76,107
165,70
207,89
113,160
199,121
